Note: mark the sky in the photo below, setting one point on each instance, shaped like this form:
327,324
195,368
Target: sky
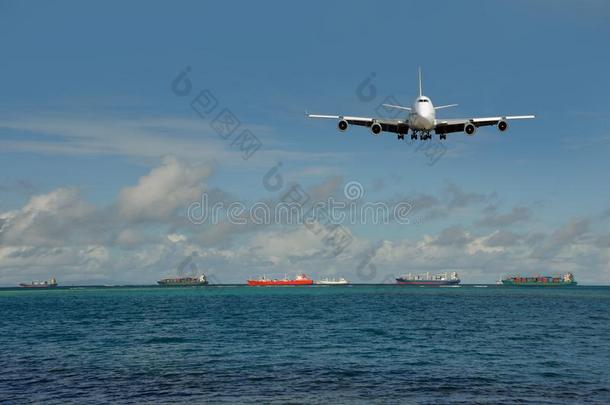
105,147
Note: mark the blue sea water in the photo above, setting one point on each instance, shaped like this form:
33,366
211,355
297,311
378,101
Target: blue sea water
381,344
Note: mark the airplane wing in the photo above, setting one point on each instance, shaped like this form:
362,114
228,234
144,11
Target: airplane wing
445,126
387,125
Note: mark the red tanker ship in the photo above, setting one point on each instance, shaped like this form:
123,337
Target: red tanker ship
301,279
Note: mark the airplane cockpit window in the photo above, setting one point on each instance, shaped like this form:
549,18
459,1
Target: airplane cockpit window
423,100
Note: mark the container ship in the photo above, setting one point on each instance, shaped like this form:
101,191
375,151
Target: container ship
40,284
332,281
263,281
566,280
183,281
428,279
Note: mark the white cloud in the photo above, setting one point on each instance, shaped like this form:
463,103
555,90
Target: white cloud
191,139
45,219
175,237
142,237
279,246
174,184
89,134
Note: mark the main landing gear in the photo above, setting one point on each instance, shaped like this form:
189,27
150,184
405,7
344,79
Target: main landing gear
423,135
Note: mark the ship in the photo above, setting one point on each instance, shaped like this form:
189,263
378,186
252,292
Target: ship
40,284
332,281
427,279
263,281
183,281
567,280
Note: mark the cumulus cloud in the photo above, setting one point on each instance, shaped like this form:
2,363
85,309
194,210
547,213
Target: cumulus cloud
172,185
286,246
504,239
60,231
571,234
455,235
143,235
46,219
54,260
449,200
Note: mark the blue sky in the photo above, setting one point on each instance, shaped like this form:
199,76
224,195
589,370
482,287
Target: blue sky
86,106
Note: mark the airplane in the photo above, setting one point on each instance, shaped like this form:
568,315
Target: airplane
421,120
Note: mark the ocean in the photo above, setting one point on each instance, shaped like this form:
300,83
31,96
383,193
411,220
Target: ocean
356,344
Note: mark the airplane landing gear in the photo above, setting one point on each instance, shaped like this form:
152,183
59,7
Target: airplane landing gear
443,136
401,136
422,135
425,136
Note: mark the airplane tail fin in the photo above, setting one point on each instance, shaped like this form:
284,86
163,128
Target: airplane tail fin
420,89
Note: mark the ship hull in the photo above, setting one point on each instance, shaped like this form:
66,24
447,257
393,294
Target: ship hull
183,281
276,283
511,283
331,283
163,284
37,286
431,283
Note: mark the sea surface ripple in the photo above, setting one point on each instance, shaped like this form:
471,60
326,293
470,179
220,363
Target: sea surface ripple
374,344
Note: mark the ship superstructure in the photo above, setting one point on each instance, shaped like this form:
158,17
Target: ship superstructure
332,281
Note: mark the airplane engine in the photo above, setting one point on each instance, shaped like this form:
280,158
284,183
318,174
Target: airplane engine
376,128
470,129
502,125
342,125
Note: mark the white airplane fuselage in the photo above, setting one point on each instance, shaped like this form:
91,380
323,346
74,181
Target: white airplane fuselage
422,116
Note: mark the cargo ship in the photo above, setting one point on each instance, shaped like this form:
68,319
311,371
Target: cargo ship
567,280
427,279
332,281
183,281
40,284
263,281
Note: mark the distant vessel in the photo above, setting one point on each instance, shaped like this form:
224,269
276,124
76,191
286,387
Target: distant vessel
263,281
183,281
566,280
40,284
332,281
428,279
